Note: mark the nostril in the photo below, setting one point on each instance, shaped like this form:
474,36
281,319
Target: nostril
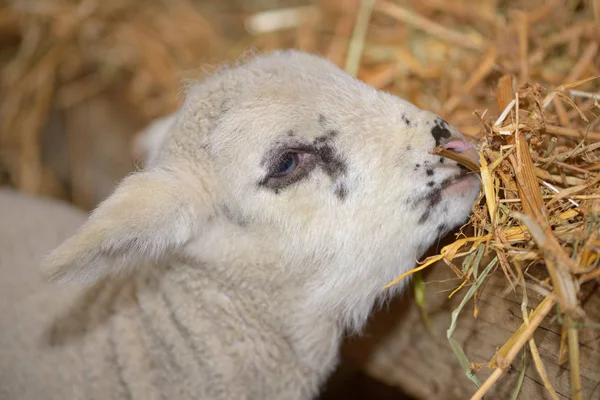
458,146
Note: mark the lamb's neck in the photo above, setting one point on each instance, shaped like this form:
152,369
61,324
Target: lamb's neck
276,310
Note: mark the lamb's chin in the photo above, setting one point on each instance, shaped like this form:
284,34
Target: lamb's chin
466,184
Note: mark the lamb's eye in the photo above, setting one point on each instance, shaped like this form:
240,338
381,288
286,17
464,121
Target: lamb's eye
289,167
286,164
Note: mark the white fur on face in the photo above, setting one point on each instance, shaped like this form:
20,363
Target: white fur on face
373,199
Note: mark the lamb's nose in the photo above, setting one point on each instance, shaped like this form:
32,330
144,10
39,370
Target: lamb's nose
464,148
458,145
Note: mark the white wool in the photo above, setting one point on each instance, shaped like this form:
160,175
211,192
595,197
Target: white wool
148,143
266,274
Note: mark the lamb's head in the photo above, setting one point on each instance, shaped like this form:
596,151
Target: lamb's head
286,171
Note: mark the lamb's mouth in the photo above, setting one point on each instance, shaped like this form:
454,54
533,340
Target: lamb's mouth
462,175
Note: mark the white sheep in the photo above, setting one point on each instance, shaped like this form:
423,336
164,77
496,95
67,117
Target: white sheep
277,202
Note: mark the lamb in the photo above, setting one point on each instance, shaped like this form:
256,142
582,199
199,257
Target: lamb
277,202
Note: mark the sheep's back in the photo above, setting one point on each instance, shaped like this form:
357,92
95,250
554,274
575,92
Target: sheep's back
29,228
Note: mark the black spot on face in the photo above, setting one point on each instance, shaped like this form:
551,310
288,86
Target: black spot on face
440,131
429,172
332,163
327,136
446,182
291,133
430,183
408,148
432,200
442,160
425,216
406,120
233,217
341,191
322,120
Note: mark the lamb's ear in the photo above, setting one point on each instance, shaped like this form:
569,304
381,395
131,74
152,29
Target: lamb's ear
150,215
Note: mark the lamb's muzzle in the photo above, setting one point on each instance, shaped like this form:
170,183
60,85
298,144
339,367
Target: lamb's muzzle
464,148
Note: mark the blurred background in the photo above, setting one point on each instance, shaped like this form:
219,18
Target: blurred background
80,78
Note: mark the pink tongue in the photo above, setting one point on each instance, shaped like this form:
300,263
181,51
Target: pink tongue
458,145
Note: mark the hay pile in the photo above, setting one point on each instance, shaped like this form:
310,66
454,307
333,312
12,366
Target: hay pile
537,221
538,218
519,77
